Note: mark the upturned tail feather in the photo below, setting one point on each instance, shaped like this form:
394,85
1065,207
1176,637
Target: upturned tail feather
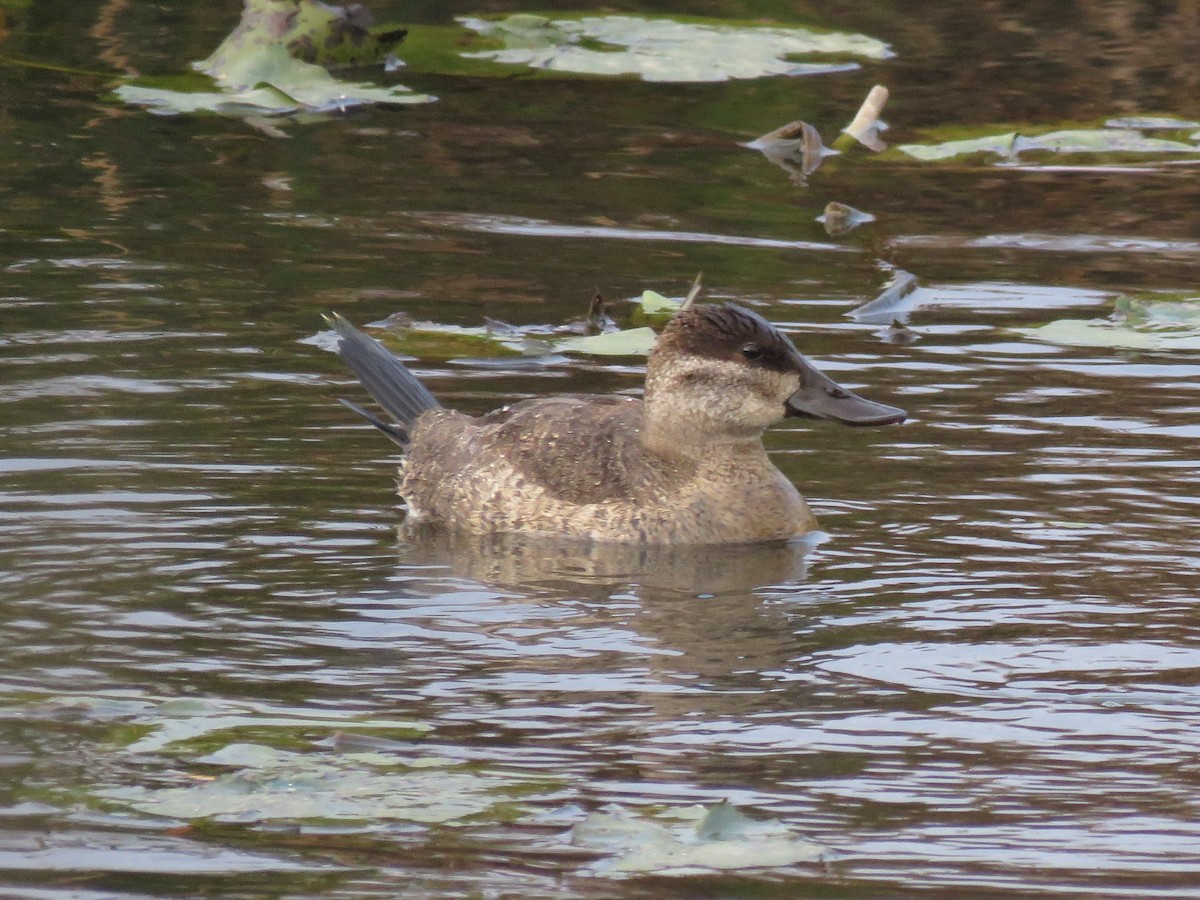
386,379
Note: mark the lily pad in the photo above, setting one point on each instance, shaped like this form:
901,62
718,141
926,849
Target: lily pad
724,839
268,82
1152,123
1099,140
1010,144
628,342
1137,323
996,144
1154,311
193,722
273,785
662,49
268,66
308,30
653,303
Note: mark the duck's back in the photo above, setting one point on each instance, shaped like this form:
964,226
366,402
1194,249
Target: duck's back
569,464
575,465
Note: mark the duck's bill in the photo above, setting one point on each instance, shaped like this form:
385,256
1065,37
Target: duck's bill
823,398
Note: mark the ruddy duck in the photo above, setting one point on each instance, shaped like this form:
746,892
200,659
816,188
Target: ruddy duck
684,465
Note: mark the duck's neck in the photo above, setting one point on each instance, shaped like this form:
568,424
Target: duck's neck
696,439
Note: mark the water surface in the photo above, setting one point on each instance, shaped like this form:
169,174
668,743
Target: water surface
984,683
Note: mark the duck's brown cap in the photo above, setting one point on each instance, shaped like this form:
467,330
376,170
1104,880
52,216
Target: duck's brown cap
723,332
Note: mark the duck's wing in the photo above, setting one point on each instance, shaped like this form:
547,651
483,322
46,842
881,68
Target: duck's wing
579,449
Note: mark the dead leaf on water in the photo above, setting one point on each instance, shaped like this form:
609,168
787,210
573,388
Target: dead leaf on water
893,304
796,148
840,219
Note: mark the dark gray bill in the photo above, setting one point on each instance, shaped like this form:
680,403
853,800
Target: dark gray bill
823,398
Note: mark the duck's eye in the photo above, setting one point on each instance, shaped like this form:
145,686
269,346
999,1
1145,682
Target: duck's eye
752,351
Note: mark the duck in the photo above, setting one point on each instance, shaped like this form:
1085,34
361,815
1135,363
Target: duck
684,465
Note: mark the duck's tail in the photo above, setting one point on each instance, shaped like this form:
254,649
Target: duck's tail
394,388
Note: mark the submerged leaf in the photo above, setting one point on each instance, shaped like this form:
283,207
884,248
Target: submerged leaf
660,49
431,340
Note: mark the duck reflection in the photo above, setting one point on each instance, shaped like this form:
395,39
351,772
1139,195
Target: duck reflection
680,620
522,561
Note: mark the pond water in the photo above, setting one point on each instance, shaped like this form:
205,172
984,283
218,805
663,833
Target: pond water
223,674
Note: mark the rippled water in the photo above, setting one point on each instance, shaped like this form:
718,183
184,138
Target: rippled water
984,683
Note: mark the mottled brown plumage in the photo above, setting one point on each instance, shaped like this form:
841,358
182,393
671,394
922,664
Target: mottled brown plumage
684,466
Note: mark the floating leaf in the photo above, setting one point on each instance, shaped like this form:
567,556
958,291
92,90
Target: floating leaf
725,822
1009,145
1103,333
187,721
272,785
653,303
169,101
724,839
308,30
1151,123
1155,312
309,85
255,74
1099,140
629,342
997,144
1145,323
840,219
661,49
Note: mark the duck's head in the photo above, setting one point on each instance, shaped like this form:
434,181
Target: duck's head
730,373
